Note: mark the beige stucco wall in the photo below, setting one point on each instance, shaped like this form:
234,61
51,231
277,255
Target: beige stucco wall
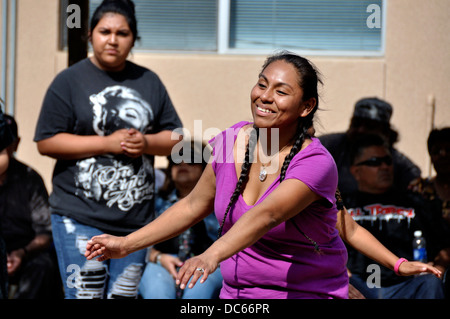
417,68
215,88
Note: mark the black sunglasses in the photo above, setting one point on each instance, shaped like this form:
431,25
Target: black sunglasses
376,161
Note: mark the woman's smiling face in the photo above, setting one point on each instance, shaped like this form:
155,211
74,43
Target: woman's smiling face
277,98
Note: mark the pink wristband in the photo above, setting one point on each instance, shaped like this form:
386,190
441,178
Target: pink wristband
397,265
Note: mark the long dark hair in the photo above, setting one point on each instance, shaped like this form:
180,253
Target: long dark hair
309,78
123,7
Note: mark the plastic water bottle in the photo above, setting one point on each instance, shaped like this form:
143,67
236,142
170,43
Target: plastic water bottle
419,247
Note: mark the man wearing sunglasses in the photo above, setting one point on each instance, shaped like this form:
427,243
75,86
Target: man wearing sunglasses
392,216
370,115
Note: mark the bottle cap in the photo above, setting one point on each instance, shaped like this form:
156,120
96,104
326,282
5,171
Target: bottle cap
418,233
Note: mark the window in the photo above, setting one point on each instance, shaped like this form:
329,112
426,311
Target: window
306,25
320,27
175,24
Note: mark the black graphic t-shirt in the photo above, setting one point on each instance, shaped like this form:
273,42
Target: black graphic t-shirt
392,218
114,193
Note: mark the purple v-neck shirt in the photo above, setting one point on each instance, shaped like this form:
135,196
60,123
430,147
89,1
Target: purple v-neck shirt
283,263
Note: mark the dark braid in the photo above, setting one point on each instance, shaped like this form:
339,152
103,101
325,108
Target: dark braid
243,178
301,136
339,200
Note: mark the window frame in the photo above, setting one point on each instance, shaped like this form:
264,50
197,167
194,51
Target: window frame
223,32
224,28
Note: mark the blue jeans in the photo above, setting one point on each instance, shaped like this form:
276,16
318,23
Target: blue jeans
158,283
91,279
416,287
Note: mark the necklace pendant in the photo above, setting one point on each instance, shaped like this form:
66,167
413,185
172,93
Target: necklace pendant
262,174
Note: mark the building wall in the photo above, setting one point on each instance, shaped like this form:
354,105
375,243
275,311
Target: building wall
216,88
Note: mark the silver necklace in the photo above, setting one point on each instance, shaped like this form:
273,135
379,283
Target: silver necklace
262,172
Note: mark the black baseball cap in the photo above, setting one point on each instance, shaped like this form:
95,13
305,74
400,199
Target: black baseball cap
373,109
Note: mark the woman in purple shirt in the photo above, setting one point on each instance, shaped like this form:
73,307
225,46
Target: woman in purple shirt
273,187
302,257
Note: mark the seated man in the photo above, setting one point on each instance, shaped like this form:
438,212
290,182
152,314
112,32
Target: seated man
391,216
26,228
435,192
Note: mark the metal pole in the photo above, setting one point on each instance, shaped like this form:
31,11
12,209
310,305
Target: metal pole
77,38
4,50
432,104
12,59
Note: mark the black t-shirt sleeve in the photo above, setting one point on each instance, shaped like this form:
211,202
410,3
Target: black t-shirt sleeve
167,118
56,114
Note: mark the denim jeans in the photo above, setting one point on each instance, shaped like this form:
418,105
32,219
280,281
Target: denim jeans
157,283
91,279
425,286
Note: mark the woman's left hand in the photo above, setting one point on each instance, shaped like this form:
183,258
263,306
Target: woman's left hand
195,267
410,268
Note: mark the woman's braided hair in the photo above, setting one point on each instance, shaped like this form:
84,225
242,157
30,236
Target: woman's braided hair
308,81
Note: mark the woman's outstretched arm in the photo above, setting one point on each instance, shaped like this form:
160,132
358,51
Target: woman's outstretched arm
179,217
287,200
363,241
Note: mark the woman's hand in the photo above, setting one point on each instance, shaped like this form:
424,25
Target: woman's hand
114,141
14,260
134,144
409,268
196,267
106,247
130,142
171,263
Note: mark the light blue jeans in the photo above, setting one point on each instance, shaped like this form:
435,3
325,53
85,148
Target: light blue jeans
157,283
91,279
